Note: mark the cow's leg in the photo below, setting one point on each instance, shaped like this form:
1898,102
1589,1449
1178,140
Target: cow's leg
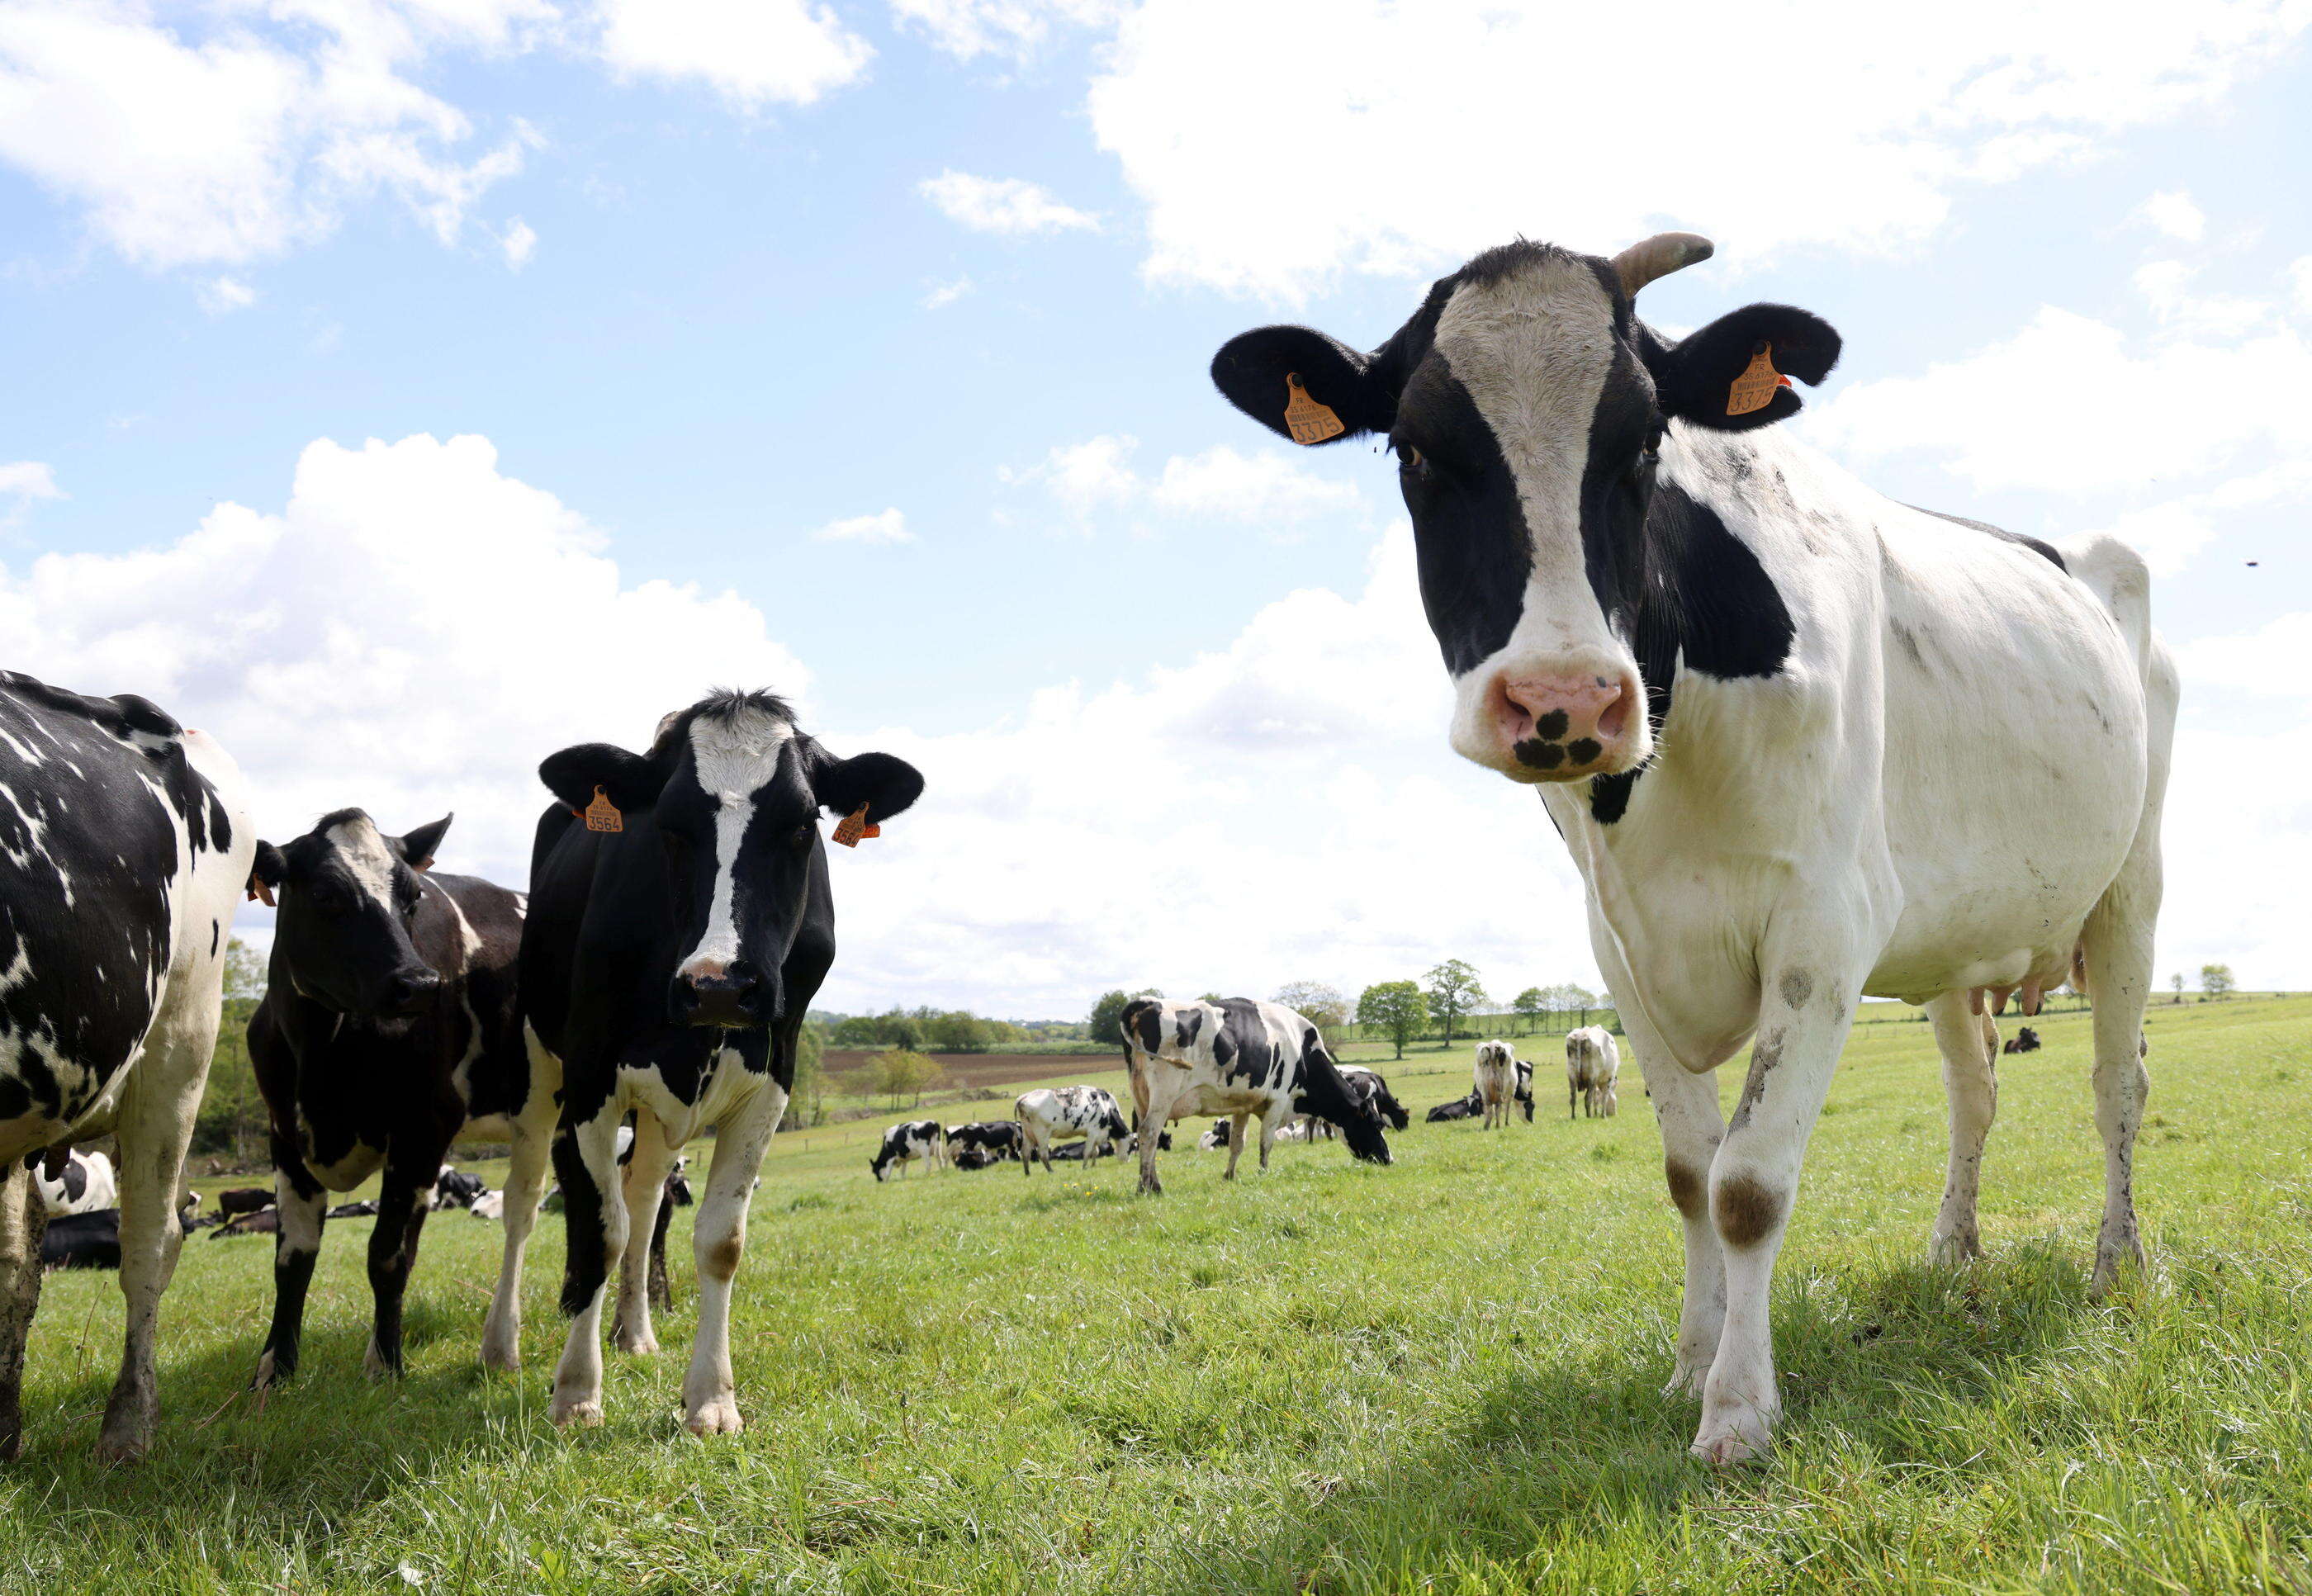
403,1199
1236,1143
710,1406
301,1205
1268,1127
24,1218
645,1190
1153,1116
586,1158
661,1289
533,1140
1806,1006
1971,1083
2117,941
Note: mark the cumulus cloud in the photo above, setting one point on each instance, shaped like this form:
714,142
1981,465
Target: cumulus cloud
1426,144
1013,29
1267,489
1012,206
2172,212
29,479
887,526
518,243
209,141
755,53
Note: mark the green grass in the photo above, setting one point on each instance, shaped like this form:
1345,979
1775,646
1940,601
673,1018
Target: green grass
1440,1377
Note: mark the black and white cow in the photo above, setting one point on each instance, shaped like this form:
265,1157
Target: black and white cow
1377,1095
1220,1138
89,1239
1523,1096
458,1188
677,933
998,1138
237,1200
1494,1079
909,1142
1244,1058
1051,1115
82,1184
389,1028
1760,700
2024,1040
1593,1068
1461,1107
124,845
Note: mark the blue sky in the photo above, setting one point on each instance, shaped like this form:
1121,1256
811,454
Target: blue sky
713,280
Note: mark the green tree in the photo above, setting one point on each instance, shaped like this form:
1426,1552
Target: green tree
2216,980
858,1030
2177,980
900,1029
244,971
1454,990
1105,1012
959,1030
1531,1005
1209,997
903,1072
1396,1009
1322,1007
807,1103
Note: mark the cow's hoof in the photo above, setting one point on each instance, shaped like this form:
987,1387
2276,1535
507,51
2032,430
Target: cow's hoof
641,1346
1728,1450
378,1366
717,1417
501,1359
567,1411
2115,1253
122,1446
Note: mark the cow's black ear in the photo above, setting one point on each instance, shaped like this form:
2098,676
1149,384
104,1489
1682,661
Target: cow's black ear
1694,379
417,848
266,872
628,780
885,783
1255,371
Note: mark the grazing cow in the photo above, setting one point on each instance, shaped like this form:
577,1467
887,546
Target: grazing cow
84,1185
1460,1108
1244,1058
89,1239
1495,1081
1051,1115
998,1138
1759,699
1379,1096
125,845
905,1143
237,1200
680,921
388,1028
1593,1066
2024,1040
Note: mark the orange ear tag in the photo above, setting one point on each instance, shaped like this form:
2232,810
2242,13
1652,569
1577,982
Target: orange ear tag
1756,387
602,815
853,826
1307,420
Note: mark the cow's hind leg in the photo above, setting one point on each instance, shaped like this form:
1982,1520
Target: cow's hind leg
2118,943
533,1140
586,1159
710,1405
23,1221
403,1198
1236,1142
1969,1043
645,1190
301,1205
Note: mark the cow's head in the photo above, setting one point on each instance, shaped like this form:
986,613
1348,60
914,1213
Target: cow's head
1322,1093
348,893
1528,407
732,792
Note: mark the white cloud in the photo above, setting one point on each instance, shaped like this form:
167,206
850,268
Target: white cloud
2172,212
753,52
2166,286
518,242
185,144
2299,275
28,480
887,526
1015,29
1267,489
943,294
1008,205
220,296
1448,127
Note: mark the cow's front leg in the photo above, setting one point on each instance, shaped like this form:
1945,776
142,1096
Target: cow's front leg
301,1205
1805,1009
1969,1043
1236,1143
710,1405
594,1213
533,1139
24,1218
403,1199
645,1190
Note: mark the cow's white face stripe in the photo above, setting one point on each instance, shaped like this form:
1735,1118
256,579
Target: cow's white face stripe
734,760
366,858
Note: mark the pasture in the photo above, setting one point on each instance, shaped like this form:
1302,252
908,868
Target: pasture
1442,1376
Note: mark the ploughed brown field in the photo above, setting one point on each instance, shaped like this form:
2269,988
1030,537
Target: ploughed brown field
969,1071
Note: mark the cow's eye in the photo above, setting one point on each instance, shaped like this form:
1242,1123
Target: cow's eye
1410,460
803,834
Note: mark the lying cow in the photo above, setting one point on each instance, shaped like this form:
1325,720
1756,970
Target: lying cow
912,1141
90,1240
1244,1058
456,1188
976,1158
1460,1108
1051,1115
265,1221
82,1183
1593,1066
997,1138
365,1209
1495,1081
2025,1040
238,1200
1216,1140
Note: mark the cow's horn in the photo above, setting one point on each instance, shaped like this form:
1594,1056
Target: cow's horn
1658,256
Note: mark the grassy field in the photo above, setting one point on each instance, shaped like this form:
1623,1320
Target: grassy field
1441,1377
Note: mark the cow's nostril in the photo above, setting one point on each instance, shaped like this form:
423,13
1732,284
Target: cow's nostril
1614,717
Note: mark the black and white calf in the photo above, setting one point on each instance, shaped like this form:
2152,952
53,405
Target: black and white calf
677,933
909,1142
124,846
1495,1081
1460,1108
1051,1115
998,1138
1593,1067
82,1184
1244,1058
389,1028
1760,700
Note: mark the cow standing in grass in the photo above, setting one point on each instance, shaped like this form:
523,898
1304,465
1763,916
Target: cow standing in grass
1495,1081
1051,1115
1240,1057
912,1141
681,920
1593,1064
1761,702
125,845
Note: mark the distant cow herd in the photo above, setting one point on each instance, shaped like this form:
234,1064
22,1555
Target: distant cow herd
1755,697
